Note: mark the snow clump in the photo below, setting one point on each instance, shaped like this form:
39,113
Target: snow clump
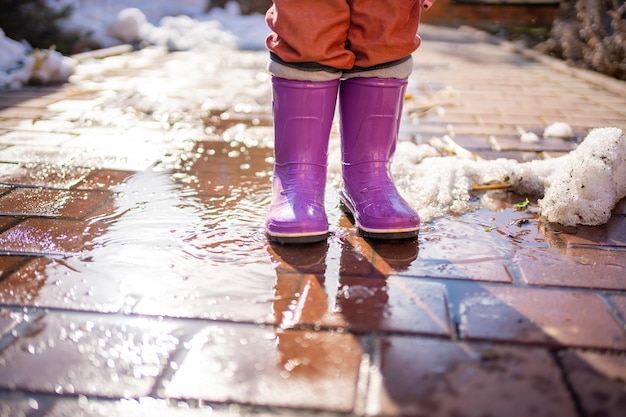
579,188
587,183
16,64
21,64
559,130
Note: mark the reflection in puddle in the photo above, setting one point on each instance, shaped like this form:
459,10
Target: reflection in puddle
167,238
159,227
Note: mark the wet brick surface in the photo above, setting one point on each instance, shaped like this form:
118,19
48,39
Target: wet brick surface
598,379
135,278
430,377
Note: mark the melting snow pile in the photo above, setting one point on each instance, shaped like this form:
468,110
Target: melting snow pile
581,187
179,26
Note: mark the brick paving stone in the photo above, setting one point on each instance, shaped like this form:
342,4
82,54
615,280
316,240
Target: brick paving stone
4,147
70,104
393,305
64,284
484,130
620,208
273,368
472,143
292,308
102,179
609,235
39,99
24,154
488,270
620,303
564,318
43,202
35,175
421,377
515,155
105,212
218,157
476,246
246,297
49,237
43,126
80,354
18,406
8,264
599,381
574,267
6,323
545,145
84,407
7,221
139,158
35,138
589,123
139,136
29,92
25,113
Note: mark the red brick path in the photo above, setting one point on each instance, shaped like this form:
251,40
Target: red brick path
136,280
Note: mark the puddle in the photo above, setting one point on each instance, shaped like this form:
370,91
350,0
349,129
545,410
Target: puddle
186,239
169,228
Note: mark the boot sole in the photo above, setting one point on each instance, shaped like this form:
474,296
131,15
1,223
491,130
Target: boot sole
297,239
393,234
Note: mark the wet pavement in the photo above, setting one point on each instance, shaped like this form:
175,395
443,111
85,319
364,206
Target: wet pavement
136,279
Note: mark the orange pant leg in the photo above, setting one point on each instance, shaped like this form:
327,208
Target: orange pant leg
313,31
383,31
343,33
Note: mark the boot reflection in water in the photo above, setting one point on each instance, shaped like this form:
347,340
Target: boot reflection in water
306,297
359,50
300,297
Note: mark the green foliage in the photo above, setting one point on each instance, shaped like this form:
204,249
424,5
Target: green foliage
35,22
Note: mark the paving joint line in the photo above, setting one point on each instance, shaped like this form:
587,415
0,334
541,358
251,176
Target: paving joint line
576,400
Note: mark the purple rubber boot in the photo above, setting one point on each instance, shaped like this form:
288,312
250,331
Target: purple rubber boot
370,111
303,115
